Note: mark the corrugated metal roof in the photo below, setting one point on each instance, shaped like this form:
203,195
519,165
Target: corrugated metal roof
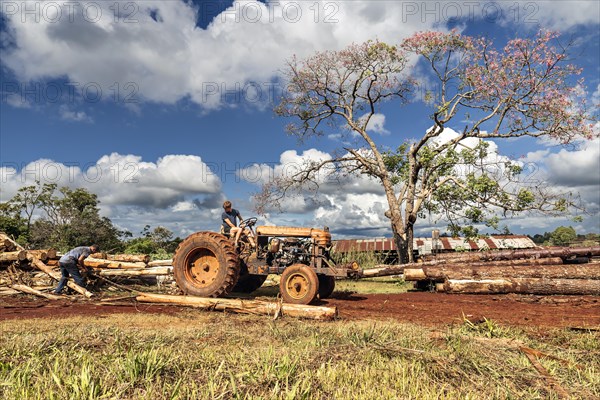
426,245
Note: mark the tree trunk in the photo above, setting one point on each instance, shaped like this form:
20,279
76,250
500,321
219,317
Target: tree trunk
18,255
563,271
401,247
409,201
523,285
395,216
410,234
244,306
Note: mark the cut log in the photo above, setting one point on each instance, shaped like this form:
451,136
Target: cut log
101,256
522,285
562,271
382,270
523,261
160,263
39,254
144,258
100,263
387,270
52,263
244,306
10,256
136,272
6,244
28,290
415,274
562,252
52,254
56,275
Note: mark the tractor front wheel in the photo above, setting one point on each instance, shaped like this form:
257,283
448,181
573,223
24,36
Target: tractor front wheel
299,284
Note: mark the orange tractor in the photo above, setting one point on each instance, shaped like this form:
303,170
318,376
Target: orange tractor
210,264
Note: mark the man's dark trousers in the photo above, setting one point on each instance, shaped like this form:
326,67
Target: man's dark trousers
67,269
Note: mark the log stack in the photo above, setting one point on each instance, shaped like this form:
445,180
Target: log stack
40,270
540,271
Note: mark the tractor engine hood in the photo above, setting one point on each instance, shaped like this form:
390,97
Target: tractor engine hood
321,237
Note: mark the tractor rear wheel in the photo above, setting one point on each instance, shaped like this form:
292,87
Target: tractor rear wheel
326,286
299,284
206,264
248,283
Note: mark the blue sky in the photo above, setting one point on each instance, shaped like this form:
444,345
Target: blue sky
96,96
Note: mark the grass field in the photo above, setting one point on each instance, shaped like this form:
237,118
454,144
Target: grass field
200,355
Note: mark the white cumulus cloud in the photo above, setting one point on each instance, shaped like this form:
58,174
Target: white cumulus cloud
377,124
155,51
120,179
573,168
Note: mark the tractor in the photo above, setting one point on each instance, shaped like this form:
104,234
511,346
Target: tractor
210,264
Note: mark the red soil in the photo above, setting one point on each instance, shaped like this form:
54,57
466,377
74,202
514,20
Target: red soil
417,307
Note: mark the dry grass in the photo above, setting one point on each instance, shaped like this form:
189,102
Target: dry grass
199,355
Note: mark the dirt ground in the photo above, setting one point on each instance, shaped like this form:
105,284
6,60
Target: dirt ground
441,309
417,307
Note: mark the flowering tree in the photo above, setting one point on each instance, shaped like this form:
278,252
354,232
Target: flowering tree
525,89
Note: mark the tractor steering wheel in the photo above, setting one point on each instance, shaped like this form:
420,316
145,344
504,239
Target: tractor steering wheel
248,222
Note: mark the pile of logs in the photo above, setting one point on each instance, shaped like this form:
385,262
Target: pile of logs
128,265
536,271
39,269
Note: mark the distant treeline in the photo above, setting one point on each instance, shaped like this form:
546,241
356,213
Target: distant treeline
45,216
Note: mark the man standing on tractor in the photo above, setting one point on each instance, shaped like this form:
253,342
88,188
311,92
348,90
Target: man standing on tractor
230,227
